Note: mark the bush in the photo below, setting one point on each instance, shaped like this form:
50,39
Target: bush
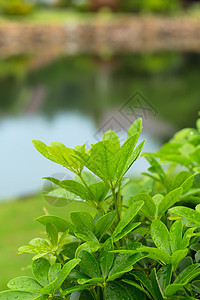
159,6
15,7
139,244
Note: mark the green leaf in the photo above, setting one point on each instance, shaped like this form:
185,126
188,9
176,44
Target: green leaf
114,291
89,247
104,223
13,295
136,127
175,236
86,235
186,273
24,283
164,275
148,209
76,288
169,200
139,275
88,264
60,197
130,213
52,233
126,230
172,289
177,257
156,254
99,190
69,249
61,224
53,272
106,258
137,286
112,136
124,262
133,157
187,213
82,219
158,294
40,268
71,186
42,148
160,236
126,152
65,271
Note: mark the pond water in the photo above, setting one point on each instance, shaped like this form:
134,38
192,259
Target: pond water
74,99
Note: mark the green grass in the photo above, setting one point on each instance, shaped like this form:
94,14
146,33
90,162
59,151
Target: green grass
62,16
17,228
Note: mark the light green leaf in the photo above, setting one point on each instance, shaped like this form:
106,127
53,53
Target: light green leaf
42,148
99,190
61,224
72,186
52,233
177,256
169,200
130,213
40,268
82,219
175,236
136,127
187,213
148,209
24,283
13,295
160,236
89,247
111,135
172,289
53,272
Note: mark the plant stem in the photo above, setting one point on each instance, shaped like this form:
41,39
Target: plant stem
116,204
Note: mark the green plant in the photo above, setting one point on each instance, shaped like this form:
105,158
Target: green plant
139,244
15,7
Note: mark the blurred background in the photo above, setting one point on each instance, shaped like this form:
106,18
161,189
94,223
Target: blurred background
71,69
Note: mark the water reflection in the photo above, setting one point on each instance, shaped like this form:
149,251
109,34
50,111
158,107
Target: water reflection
69,98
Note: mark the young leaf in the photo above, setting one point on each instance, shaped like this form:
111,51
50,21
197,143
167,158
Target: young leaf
187,213
175,236
61,224
136,127
169,200
160,236
106,258
40,268
114,290
149,208
112,136
24,283
72,186
130,213
177,257
89,265
52,233
82,219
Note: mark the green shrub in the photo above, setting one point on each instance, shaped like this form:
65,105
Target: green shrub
159,6
15,7
139,244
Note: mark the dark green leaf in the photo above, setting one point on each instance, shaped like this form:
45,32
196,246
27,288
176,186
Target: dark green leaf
104,223
106,258
114,291
82,219
40,268
61,224
88,264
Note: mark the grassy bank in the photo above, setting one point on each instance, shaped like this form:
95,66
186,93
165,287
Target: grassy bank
17,227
